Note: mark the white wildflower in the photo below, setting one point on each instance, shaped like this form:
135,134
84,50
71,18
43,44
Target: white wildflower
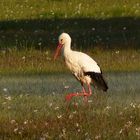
107,108
35,111
50,105
98,137
131,117
64,130
42,138
117,52
47,52
133,105
121,113
77,124
124,28
20,133
59,116
12,121
90,101
39,43
78,130
125,108
46,123
8,98
66,87
138,131
4,103
9,107
75,104
48,58
86,133
74,112
121,131
23,57
56,108
16,129
128,124
70,116
5,89
46,136
21,95
25,122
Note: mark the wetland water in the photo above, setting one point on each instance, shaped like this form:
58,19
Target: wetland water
123,83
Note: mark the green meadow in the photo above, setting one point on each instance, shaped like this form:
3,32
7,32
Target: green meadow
33,87
34,107
40,9
41,62
106,30
47,117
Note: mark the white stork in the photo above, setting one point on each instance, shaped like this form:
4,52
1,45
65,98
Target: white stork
82,66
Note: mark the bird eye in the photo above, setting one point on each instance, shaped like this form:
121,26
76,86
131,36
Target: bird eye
61,40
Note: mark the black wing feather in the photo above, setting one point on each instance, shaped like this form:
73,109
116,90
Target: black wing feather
98,80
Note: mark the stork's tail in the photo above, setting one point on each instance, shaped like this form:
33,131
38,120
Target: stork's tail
98,80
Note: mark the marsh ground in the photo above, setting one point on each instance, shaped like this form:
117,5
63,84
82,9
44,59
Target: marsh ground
33,87
33,107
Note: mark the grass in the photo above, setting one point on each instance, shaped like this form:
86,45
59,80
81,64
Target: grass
34,9
29,24
46,117
33,107
37,23
33,61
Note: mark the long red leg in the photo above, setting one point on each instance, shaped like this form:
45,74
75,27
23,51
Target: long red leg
83,93
89,93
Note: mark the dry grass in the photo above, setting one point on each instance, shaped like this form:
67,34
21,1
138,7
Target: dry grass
31,116
31,9
47,117
34,61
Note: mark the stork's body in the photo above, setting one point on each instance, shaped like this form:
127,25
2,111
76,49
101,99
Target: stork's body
79,63
82,66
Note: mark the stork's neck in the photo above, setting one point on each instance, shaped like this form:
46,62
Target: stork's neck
67,48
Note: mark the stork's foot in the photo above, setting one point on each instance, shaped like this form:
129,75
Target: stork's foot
86,97
69,96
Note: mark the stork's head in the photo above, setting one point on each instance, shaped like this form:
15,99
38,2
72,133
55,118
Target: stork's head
64,40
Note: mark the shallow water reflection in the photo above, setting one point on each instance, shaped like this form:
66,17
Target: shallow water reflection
63,83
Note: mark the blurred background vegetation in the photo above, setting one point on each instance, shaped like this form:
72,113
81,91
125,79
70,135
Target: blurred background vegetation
33,86
108,30
37,23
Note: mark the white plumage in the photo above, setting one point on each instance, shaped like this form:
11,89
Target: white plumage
79,63
83,67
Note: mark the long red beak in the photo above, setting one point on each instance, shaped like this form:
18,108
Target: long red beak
57,52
